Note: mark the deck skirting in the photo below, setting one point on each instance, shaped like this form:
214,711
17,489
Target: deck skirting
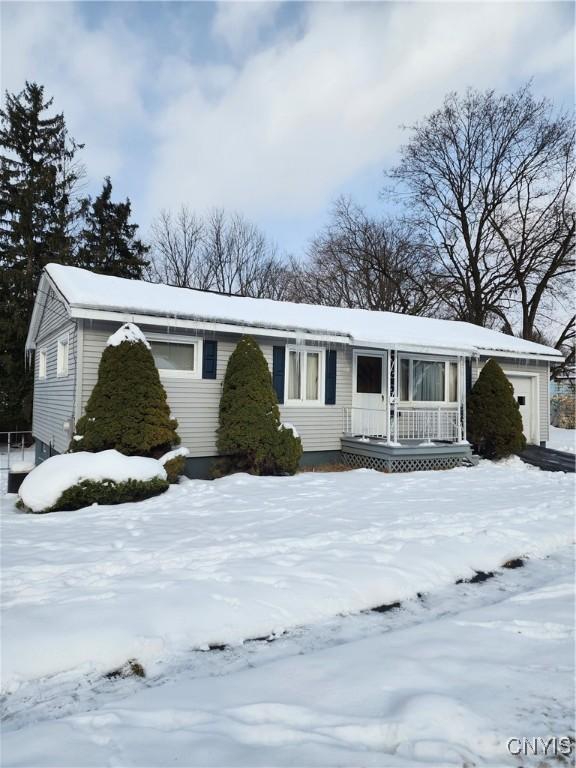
373,453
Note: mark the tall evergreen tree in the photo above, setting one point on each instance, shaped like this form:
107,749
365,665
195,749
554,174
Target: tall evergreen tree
108,242
251,437
38,174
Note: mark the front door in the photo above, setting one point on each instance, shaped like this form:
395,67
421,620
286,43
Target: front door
525,397
369,394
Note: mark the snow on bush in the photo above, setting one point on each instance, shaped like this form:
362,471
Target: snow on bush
242,557
291,427
127,332
46,483
174,462
183,451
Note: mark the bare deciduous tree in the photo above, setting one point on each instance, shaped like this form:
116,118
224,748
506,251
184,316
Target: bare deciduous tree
361,261
238,258
222,252
488,179
177,243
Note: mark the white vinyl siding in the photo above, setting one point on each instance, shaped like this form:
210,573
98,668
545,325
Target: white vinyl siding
195,402
53,404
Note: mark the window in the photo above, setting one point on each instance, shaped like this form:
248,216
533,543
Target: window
453,383
369,374
294,375
404,379
304,375
42,363
176,357
62,356
428,381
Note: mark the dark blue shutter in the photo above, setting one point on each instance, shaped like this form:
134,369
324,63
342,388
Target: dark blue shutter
278,363
468,376
209,354
330,384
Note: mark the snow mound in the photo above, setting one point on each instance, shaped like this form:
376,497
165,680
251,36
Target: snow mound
562,439
21,466
43,487
173,455
127,332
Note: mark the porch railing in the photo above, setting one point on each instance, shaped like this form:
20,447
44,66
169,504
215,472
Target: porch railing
366,422
405,423
13,446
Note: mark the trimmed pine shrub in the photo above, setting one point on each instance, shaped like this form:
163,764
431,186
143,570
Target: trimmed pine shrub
249,437
90,492
175,468
288,451
127,409
494,422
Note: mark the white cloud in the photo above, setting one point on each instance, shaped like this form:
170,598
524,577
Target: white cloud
94,75
296,115
239,24
302,116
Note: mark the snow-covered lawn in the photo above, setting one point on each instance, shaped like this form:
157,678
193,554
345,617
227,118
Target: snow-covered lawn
445,681
221,562
562,439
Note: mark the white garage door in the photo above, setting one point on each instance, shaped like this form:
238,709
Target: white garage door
525,392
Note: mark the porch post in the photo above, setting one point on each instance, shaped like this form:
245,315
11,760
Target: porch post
463,400
388,369
459,384
396,374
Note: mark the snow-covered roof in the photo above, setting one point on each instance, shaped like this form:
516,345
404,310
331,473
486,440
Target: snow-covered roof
92,295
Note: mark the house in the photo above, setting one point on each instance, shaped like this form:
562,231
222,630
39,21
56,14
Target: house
368,388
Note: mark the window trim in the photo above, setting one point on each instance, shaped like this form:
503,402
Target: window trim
60,373
43,364
171,373
432,403
303,401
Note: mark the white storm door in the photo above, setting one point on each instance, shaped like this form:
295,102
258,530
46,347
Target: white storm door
525,395
369,394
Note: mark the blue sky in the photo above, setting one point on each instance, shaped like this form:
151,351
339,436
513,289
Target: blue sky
271,109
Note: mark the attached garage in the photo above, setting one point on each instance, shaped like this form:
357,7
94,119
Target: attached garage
526,394
530,381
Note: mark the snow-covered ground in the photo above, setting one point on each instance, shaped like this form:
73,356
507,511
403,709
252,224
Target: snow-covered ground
446,680
221,562
562,439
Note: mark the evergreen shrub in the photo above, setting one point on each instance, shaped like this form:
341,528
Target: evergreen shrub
107,492
250,437
494,421
175,468
128,409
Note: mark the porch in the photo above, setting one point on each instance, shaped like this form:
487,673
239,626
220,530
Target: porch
408,412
